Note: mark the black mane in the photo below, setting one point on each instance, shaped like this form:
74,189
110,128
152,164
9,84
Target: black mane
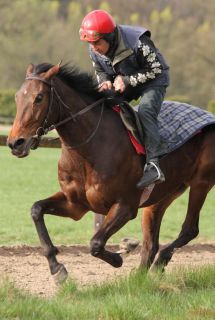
82,82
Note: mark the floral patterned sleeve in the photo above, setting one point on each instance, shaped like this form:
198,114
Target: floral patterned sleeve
151,66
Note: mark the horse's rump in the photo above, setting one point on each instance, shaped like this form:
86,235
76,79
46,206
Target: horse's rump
178,122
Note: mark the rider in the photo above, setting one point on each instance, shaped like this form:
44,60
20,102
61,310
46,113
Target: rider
125,59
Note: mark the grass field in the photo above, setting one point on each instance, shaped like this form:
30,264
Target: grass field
24,181
187,295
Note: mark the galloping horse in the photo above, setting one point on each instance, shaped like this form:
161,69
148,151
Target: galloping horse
98,169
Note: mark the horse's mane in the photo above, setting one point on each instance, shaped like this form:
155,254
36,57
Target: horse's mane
82,82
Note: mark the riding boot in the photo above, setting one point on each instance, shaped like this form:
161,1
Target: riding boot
151,174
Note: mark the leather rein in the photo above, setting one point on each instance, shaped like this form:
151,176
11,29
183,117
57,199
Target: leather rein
43,130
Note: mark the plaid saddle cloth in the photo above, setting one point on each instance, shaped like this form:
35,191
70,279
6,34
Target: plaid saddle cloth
177,122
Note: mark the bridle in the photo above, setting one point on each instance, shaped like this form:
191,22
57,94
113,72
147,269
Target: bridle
44,129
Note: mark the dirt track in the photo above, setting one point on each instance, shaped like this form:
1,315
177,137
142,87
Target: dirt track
28,269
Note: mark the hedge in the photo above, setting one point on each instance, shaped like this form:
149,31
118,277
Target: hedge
7,103
179,98
211,106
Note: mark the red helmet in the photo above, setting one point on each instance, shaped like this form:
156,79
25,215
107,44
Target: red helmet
95,24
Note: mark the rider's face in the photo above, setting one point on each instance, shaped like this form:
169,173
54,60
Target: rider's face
101,46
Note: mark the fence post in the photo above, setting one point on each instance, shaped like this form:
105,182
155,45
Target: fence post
98,220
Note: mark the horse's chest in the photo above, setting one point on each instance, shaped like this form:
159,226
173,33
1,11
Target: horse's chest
72,184
81,182
91,196
71,189
98,199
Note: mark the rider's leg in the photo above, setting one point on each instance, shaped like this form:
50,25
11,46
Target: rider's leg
149,109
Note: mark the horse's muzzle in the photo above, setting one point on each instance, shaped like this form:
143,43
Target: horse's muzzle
21,147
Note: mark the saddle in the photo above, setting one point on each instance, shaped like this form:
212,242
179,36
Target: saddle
131,121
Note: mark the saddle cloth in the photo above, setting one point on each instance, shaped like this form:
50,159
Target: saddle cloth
177,123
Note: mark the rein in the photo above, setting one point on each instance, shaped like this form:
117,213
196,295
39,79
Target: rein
41,131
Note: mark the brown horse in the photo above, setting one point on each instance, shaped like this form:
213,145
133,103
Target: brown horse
98,169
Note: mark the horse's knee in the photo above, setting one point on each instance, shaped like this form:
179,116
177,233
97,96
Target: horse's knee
191,233
96,247
195,232
36,211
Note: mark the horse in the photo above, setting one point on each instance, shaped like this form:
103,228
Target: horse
98,169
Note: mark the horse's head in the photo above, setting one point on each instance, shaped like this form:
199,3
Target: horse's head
33,102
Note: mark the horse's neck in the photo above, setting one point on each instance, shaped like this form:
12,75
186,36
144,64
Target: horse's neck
70,98
76,132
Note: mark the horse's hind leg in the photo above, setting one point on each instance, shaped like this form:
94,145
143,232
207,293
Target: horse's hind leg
55,205
151,221
190,228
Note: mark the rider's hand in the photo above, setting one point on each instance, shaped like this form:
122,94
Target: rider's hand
119,84
107,85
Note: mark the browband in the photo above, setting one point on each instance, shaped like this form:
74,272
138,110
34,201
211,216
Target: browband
35,77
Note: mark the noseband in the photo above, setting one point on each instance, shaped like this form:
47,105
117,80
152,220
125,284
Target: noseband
43,130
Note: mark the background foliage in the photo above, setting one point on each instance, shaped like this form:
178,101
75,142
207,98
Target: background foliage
37,31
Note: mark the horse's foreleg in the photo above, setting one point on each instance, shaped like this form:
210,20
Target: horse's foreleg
117,217
55,205
190,227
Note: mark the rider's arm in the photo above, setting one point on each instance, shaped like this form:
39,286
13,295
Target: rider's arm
150,66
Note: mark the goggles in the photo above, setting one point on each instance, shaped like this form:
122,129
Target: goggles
89,35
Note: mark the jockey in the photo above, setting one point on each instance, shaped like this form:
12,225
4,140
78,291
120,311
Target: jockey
125,59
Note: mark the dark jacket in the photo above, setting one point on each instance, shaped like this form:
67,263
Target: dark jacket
136,59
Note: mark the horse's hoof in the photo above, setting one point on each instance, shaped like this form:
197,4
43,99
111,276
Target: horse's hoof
128,245
61,276
117,260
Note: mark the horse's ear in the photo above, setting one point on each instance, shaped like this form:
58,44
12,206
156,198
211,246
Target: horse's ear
52,72
30,69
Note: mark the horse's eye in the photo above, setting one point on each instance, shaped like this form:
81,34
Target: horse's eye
39,98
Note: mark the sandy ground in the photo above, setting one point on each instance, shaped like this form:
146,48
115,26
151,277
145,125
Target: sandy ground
27,268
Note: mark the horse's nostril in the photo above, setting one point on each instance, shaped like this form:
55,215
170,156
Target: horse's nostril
18,143
15,144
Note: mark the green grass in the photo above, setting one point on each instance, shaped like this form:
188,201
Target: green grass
24,181
187,295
